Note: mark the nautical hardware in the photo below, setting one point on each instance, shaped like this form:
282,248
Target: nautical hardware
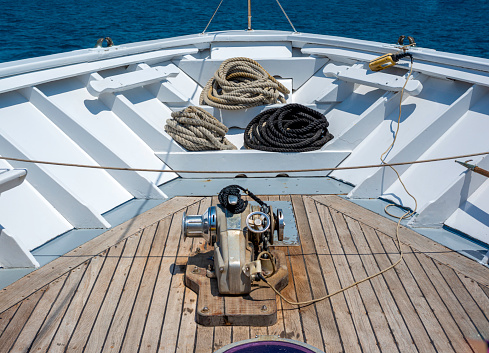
197,130
242,83
387,60
291,128
474,168
411,40
100,42
230,198
240,243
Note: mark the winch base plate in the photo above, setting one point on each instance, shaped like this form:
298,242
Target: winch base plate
259,308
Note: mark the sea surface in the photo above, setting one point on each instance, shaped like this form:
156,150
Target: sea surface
33,28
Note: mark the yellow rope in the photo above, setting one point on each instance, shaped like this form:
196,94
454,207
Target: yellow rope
405,215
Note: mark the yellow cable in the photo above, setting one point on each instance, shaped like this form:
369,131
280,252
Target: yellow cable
405,215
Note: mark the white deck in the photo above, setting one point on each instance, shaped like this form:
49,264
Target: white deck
91,107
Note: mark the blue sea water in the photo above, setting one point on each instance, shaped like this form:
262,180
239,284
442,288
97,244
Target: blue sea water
33,28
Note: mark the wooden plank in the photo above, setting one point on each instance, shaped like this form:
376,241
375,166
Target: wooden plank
115,335
413,281
310,323
222,336
107,311
18,321
156,314
365,332
6,316
383,333
37,279
146,289
86,321
402,335
438,307
455,309
292,319
188,327
48,329
477,293
28,334
205,339
485,289
336,323
241,333
409,237
465,299
346,318
408,312
172,326
77,304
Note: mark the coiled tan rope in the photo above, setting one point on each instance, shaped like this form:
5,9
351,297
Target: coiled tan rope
242,83
197,130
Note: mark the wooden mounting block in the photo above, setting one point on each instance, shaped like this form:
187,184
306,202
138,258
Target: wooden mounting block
259,308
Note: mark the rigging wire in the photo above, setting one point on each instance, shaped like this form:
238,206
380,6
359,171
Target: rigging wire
288,19
218,6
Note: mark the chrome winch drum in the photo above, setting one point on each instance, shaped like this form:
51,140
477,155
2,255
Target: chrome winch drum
205,225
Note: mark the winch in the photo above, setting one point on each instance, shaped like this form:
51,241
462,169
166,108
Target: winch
241,242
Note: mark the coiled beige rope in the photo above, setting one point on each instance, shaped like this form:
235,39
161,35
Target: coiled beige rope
197,130
242,83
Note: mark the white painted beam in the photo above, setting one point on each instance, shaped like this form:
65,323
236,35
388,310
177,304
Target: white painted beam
129,80
364,76
13,253
381,178
11,178
133,182
251,160
55,191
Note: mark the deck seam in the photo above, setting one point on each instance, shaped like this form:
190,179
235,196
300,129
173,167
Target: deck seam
140,281
405,291
67,306
339,279
360,291
123,288
448,251
371,284
156,280
458,299
324,279
426,299
23,326
105,295
86,301
416,256
388,286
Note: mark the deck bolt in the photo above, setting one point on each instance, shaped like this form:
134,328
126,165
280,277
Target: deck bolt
264,308
221,269
195,270
205,309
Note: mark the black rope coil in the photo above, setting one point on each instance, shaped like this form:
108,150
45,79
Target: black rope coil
240,207
291,128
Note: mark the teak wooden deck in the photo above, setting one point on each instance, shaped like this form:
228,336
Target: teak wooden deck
124,291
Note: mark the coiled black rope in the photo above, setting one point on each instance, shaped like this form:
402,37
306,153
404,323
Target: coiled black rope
240,207
291,128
